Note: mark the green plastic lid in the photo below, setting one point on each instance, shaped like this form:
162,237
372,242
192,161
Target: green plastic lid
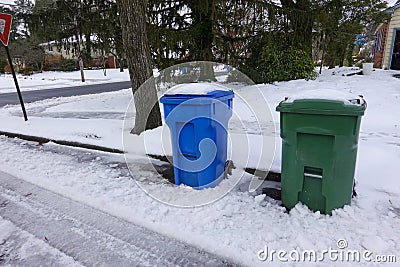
326,102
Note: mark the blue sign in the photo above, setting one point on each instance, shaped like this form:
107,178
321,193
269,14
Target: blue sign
361,39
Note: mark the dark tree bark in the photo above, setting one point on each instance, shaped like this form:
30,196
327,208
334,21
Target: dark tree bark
87,52
203,36
137,52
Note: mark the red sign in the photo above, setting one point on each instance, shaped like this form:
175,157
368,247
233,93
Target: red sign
5,26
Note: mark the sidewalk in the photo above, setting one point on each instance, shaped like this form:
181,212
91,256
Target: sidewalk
39,227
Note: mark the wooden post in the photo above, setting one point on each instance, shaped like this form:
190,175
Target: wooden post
16,84
81,68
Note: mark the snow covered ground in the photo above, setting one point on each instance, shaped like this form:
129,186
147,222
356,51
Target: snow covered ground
21,245
240,225
48,80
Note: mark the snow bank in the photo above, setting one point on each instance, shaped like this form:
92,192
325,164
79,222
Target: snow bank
242,223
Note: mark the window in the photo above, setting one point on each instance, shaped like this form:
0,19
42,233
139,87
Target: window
378,41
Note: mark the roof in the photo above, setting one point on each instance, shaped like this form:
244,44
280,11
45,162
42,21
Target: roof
72,40
393,7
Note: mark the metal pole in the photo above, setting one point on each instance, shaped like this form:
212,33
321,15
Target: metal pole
16,84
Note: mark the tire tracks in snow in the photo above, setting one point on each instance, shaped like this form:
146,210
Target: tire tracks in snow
90,236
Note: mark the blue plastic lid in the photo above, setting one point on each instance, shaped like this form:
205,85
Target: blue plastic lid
185,92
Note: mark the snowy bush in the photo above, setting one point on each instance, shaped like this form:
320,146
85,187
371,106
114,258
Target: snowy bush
28,70
68,65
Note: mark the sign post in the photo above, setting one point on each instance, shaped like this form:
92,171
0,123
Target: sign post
5,27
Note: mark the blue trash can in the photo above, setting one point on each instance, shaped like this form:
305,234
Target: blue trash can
197,115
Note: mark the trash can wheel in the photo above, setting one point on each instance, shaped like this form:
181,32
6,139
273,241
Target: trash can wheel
229,166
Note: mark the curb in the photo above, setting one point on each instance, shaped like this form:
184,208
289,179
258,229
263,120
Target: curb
166,172
43,140
264,175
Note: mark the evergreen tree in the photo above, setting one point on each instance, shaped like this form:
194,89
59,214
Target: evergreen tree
210,30
94,24
299,22
235,32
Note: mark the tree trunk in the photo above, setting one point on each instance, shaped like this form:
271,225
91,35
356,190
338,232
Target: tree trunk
207,71
203,18
121,64
87,54
137,52
301,19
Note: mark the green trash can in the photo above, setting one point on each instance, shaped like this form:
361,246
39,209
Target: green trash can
319,150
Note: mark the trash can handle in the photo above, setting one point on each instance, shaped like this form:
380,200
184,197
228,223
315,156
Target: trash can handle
364,104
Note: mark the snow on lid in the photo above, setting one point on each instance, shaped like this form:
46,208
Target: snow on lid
328,94
196,89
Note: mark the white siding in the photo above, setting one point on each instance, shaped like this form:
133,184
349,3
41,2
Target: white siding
394,23
71,53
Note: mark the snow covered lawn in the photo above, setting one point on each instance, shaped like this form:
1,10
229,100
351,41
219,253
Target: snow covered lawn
240,225
48,80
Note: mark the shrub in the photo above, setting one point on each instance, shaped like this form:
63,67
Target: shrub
286,64
28,70
3,64
68,65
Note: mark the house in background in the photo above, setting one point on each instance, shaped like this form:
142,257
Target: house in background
69,48
387,41
380,42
